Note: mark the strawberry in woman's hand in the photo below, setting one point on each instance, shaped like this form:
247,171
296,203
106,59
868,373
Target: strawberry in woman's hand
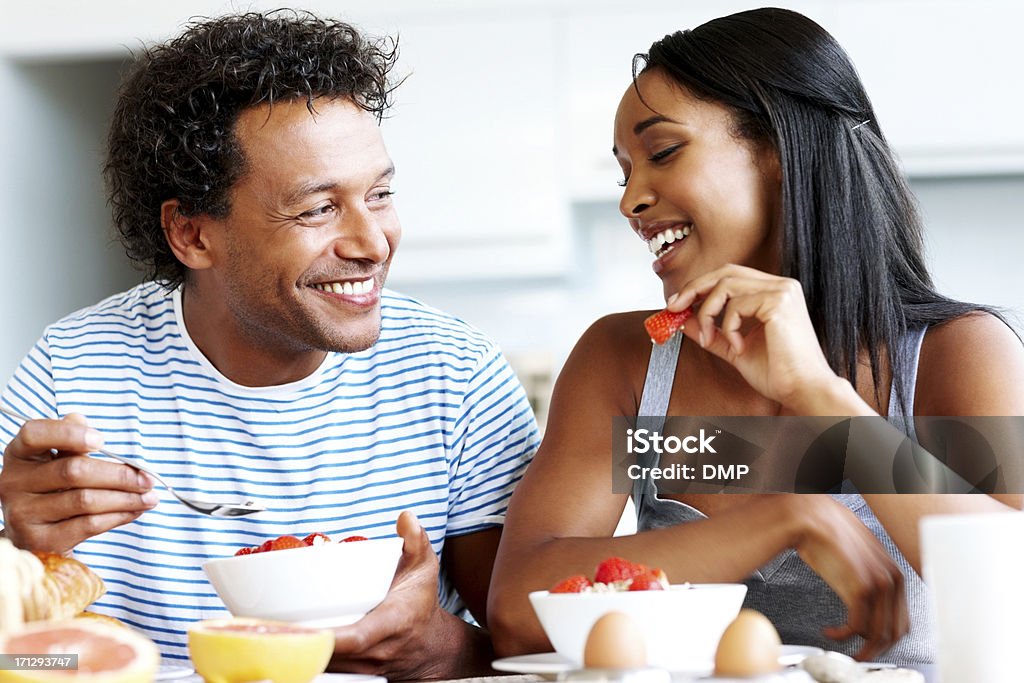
663,324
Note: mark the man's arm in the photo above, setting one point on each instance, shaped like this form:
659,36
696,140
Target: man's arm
469,560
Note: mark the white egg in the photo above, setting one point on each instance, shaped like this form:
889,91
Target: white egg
749,646
615,642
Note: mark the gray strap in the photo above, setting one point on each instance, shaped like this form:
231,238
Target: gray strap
661,371
909,350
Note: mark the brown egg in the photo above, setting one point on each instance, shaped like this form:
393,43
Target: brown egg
749,646
615,642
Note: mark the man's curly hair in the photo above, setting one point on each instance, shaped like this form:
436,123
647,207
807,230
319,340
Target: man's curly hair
172,131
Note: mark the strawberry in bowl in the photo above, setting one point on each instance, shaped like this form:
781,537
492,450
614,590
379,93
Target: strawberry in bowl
680,624
312,581
615,574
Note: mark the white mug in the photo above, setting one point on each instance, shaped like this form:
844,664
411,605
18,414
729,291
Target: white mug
974,565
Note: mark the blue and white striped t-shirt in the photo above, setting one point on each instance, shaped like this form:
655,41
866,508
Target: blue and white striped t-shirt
430,419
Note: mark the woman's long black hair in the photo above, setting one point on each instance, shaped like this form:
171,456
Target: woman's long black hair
852,234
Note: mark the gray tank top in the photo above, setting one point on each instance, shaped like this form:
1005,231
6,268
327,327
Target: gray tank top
786,590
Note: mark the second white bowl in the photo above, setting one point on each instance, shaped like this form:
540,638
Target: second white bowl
681,626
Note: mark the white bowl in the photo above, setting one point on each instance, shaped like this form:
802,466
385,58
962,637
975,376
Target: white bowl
326,585
681,626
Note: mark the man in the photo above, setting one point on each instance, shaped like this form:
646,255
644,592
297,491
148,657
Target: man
265,360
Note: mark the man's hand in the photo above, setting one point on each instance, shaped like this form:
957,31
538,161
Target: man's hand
408,635
54,496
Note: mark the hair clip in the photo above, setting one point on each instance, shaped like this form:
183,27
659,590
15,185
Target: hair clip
864,122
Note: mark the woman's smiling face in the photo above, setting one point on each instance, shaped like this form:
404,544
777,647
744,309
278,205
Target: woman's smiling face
695,192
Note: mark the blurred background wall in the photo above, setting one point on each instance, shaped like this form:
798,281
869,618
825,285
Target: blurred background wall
501,135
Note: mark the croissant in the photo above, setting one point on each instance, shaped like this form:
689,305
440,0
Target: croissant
38,585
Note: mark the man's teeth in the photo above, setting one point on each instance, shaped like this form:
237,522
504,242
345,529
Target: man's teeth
360,287
658,243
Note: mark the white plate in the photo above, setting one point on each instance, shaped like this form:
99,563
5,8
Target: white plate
540,663
554,663
791,655
192,677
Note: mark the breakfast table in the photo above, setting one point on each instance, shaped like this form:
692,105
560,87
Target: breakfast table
928,670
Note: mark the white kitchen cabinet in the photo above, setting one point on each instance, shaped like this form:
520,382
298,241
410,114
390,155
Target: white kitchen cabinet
473,131
599,49
474,135
505,120
944,77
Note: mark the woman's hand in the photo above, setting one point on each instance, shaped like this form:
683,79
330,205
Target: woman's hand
843,552
759,324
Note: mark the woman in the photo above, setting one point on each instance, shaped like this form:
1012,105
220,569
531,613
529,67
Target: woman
755,169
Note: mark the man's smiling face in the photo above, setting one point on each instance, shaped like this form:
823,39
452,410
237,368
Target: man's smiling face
302,256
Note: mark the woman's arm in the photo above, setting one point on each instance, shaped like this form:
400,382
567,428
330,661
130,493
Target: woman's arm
972,366
563,513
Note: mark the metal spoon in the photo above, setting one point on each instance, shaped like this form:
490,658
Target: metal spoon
204,506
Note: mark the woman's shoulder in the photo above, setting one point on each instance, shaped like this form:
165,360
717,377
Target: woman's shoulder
978,334
611,355
618,334
971,365
628,324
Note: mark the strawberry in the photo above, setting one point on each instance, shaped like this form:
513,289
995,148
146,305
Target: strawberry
286,542
312,538
617,569
265,547
665,323
354,538
246,551
574,584
650,580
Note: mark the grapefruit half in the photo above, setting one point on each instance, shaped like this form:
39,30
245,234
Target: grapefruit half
106,653
239,650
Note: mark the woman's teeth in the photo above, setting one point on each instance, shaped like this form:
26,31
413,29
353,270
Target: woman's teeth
360,287
662,242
